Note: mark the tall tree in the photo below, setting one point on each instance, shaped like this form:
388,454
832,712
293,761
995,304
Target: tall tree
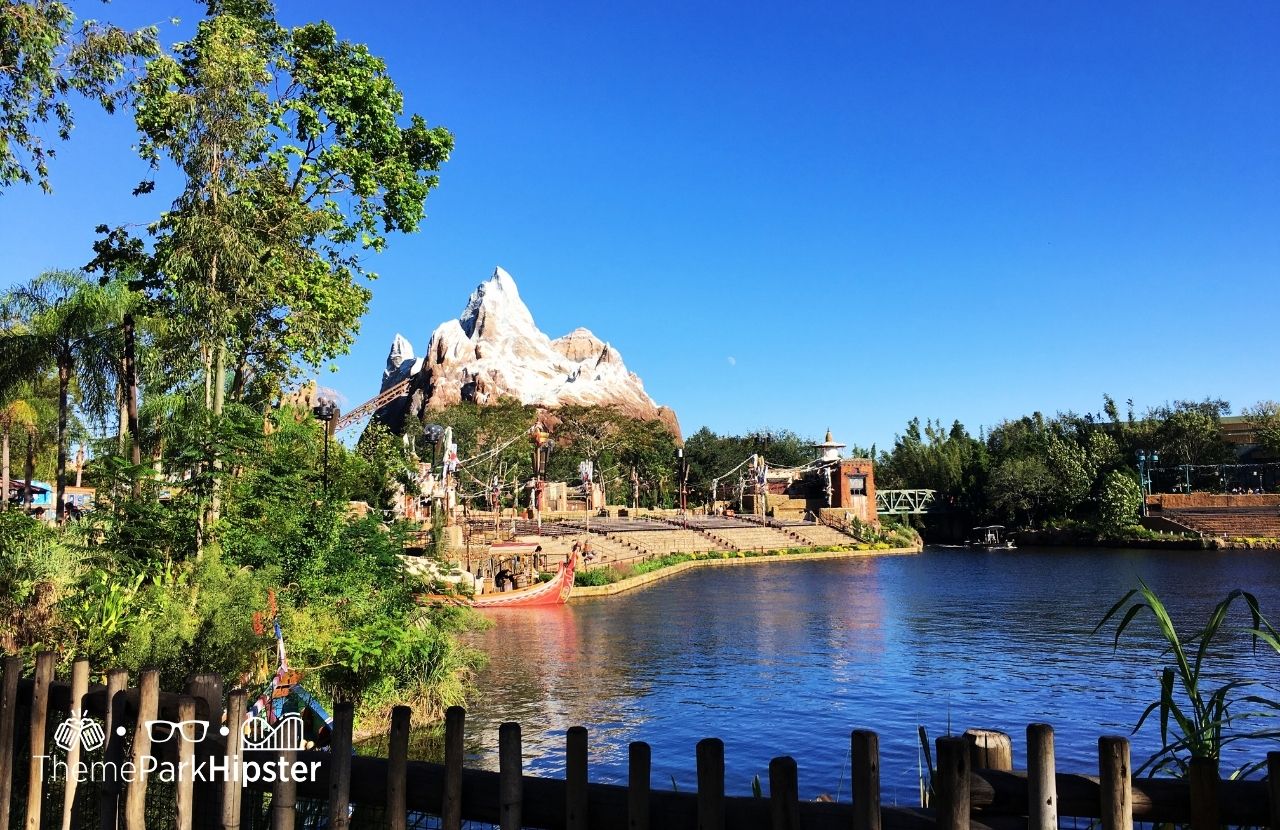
15,415
45,56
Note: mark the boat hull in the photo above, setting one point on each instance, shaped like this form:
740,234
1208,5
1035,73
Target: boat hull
554,591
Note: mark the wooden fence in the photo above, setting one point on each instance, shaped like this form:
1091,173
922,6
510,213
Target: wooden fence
974,785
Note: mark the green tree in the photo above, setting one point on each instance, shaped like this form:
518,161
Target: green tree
1264,417
16,414
1119,501
46,55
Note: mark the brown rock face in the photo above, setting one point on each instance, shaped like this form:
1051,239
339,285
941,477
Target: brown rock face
494,350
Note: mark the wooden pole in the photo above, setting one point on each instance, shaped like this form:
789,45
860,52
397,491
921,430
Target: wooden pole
232,789
79,685
208,794
39,723
284,795
1204,794
784,794
1273,786
710,753
185,800
638,776
1115,785
340,766
8,717
510,782
135,797
864,750
989,749
109,801
397,767
952,783
1042,781
454,729
576,778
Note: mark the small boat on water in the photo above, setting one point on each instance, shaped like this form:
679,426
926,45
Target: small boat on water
990,537
554,591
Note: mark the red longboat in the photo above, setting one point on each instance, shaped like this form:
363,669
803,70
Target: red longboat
554,591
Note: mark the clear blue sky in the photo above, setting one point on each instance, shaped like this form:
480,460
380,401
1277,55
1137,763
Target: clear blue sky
813,215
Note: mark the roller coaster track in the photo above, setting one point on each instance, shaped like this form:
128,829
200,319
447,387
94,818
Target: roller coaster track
371,406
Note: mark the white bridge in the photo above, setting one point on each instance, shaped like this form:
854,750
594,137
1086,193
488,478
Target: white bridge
901,502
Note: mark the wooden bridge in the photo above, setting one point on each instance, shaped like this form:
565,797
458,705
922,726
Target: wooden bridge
973,786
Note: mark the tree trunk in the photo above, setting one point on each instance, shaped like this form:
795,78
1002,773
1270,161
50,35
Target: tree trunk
64,385
131,401
4,470
27,493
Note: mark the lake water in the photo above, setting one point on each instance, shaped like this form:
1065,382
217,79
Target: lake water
783,658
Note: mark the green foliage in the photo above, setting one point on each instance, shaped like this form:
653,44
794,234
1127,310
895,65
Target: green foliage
1197,721
1119,500
710,454
1264,417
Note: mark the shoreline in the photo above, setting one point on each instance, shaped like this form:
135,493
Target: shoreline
590,592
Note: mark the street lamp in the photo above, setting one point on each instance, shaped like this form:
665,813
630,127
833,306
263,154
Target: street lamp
325,411
1144,477
432,433
682,472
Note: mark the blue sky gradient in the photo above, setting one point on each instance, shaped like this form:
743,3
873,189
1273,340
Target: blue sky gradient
815,215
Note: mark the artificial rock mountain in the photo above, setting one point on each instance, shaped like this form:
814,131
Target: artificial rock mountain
494,350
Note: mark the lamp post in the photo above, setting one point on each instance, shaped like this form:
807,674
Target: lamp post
682,472
325,411
1144,477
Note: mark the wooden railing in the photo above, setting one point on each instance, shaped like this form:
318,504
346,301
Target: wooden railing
965,796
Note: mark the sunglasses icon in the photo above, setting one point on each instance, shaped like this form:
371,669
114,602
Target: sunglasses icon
160,731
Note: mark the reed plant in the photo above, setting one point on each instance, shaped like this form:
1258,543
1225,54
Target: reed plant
1198,720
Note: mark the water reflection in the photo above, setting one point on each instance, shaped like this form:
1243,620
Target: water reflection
786,658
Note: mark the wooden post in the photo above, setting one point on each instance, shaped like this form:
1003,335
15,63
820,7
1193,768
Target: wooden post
952,783
454,726
113,755
208,794
284,795
575,778
1115,784
1204,794
1042,781
864,750
185,801
79,686
710,784
8,717
784,794
39,723
344,715
638,775
1273,786
135,797
510,782
989,749
232,788
397,767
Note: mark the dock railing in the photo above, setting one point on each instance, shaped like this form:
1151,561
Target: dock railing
973,785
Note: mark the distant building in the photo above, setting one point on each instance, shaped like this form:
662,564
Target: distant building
831,483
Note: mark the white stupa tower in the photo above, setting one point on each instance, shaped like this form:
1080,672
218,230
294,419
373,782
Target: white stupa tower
830,449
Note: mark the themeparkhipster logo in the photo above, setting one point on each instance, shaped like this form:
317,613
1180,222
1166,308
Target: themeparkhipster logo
86,734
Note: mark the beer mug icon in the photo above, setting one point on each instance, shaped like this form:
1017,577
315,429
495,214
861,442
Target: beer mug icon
79,728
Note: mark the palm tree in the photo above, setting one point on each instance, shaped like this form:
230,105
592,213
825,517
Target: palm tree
16,414
64,320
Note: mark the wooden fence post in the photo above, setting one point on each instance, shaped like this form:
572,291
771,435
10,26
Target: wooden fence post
113,755
1273,786
231,788
1115,784
989,749
1042,781
784,793
952,782
185,801
510,781
638,777
397,767
39,722
135,797
75,709
8,718
208,794
454,728
284,795
864,750
1204,780
340,766
575,778
710,752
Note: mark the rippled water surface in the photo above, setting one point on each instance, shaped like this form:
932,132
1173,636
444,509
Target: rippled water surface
785,658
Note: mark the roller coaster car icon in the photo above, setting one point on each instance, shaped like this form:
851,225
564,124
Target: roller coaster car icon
81,730
286,734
